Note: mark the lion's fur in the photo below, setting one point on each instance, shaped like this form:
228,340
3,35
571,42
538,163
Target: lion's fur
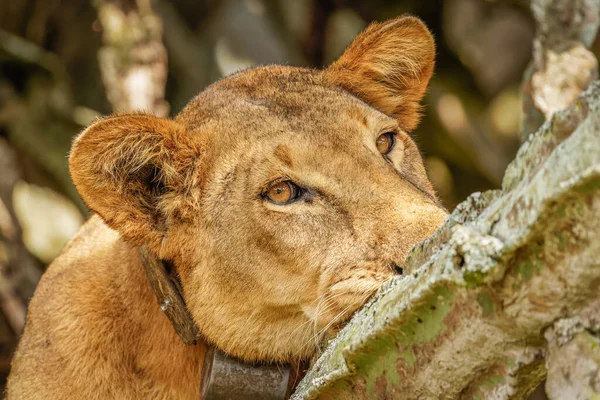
259,279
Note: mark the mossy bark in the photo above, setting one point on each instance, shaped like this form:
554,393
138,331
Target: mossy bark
573,358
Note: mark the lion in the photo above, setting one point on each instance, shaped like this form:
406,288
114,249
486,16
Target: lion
283,197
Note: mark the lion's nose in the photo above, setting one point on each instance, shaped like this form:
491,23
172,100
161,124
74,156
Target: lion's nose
395,268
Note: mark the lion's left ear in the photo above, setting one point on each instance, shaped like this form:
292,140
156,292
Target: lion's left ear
388,66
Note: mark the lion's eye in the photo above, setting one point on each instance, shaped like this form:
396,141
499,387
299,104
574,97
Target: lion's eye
282,192
385,142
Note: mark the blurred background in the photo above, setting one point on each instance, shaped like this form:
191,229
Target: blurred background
51,87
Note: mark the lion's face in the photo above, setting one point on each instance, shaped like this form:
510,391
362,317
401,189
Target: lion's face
285,197
303,217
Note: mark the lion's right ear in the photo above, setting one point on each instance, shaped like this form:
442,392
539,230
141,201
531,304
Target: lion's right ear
138,172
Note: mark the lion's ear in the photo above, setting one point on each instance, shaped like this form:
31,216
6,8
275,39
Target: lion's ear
138,172
389,66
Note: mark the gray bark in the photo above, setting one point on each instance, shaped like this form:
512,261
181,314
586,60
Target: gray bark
573,358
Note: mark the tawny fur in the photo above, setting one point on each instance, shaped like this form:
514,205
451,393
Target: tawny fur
262,281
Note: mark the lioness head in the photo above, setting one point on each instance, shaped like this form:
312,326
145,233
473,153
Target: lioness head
284,196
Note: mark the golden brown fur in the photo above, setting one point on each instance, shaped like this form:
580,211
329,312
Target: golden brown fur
261,280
